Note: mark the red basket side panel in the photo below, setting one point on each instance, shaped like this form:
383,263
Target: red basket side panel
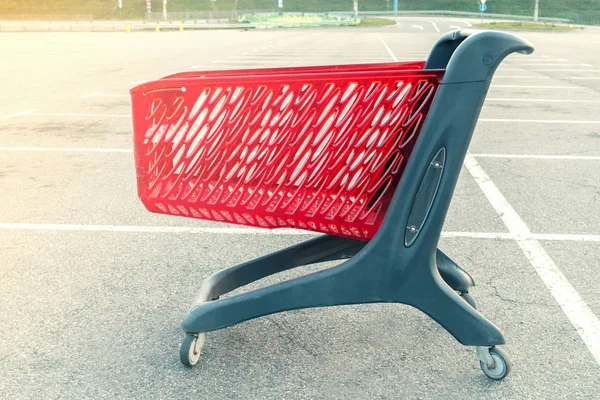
316,151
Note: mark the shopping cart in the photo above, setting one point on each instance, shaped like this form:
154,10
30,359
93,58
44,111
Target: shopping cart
367,155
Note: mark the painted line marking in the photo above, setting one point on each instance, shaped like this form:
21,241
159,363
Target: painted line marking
454,27
36,114
18,114
85,96
139,82
66,149
586,65
462,21
129,151
99,94
262,231
550,70
540,121
434,25
546,77
390,52
542,100
541,87
197,66
217,61
565,237
577,311
538,156
543,64
418,27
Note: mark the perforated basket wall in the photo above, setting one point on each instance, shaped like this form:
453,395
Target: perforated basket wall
313,149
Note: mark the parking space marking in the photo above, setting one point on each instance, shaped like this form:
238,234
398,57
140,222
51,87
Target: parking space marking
36,114
540,100
538,156
557,237
508,120
454,27
85,96
66,149
548,70
387,48
541,121
18,114
151,229
587,78
100,94
418,27
462,21
577,311
540,87
565,237
434,25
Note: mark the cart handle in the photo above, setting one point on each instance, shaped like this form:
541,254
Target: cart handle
471,56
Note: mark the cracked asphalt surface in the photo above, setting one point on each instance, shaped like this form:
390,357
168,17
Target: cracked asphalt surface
98,314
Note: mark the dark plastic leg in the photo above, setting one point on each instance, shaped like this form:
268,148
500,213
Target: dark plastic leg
430,294
320,249
456,277
347,283
334,286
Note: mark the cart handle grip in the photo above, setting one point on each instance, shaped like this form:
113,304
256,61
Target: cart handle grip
474,55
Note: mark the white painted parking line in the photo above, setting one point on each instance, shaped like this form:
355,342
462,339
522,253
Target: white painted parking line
540,121
543,64
434,25
454,27
548,70
387,48
85,96
521,77
577,311
139,82
261,231
418,27
537,156
150,229
565,237
36,114
17,114
587,78
462,21
540,100
540,87
100,94
66,149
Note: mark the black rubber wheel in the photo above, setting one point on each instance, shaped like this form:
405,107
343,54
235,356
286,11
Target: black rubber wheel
189,352
502,365
469,299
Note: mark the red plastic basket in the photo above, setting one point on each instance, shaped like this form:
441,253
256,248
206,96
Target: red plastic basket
316,148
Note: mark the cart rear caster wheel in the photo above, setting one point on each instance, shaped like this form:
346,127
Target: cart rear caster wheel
469,299
189,351
501,365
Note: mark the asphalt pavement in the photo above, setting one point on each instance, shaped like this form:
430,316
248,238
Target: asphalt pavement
93,288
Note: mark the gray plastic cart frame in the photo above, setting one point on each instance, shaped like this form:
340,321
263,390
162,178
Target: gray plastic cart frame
401,264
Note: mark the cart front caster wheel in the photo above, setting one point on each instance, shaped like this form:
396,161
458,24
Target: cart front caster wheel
501,365
189,351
